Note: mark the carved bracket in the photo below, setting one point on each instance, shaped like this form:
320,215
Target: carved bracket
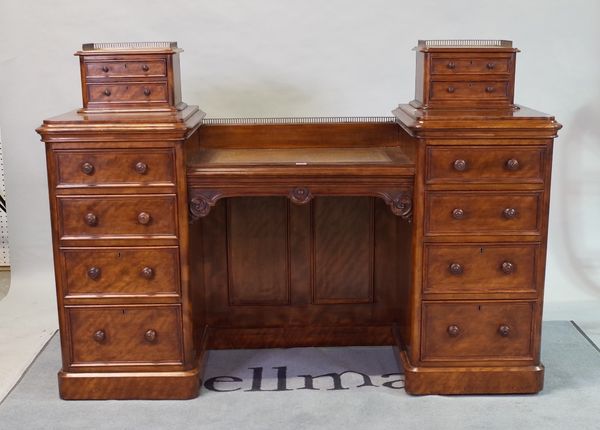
400,203
201,201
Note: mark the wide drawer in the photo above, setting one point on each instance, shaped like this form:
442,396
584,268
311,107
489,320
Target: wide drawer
485,330
480,268
126,69
115,166
127,92
98,272
482,213
470,64
469,90
117,216
125,335
485,164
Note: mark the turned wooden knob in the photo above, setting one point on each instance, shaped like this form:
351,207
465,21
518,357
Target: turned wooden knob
147,272
453,330
107,92
105,69
150,335
450,89
460,165
99,336
456,268
489,89
504,330
91,219
147,91
490,66
87,168
144,218
512,164
451,65
509,213
458,213
145,68
508,267
94,272
141,167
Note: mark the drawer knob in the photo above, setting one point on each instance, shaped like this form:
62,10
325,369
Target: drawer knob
450,89
453,330
94,272
458,213
150,336
105,69
145,68
489,89
456,269
504,330
99,336
144,218
107,92
148,272
91,219
512,164
87,168
460,165
451,65
490,66
141,167
147,91
509,213
508,267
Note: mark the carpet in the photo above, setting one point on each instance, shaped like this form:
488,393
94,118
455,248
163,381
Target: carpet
322,388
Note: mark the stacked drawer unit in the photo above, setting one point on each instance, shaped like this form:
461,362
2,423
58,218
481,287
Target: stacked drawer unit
127,77
119,217
483,172
460,74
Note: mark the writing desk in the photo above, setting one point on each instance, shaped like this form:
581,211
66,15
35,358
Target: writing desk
174,234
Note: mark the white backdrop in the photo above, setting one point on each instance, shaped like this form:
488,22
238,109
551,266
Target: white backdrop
292,58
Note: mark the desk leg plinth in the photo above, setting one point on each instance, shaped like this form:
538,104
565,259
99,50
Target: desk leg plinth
470,380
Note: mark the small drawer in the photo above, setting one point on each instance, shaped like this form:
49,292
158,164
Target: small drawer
105,217
469,90
125,335
126,69
482,212
467,65
475,331
480,268
99,272
485,164
115,166
127,93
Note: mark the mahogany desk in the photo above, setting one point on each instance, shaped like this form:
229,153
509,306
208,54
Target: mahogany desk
174,234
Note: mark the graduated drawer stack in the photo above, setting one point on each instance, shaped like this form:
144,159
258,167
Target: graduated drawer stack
483,260
118,268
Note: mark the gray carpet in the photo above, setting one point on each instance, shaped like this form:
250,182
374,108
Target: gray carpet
237,398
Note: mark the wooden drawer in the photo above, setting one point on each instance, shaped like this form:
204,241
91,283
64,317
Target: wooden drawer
126,69
125,335
479,268
115,166
485,164
468,331
470,64
469,90
482,212
127,92
117,216
98,272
